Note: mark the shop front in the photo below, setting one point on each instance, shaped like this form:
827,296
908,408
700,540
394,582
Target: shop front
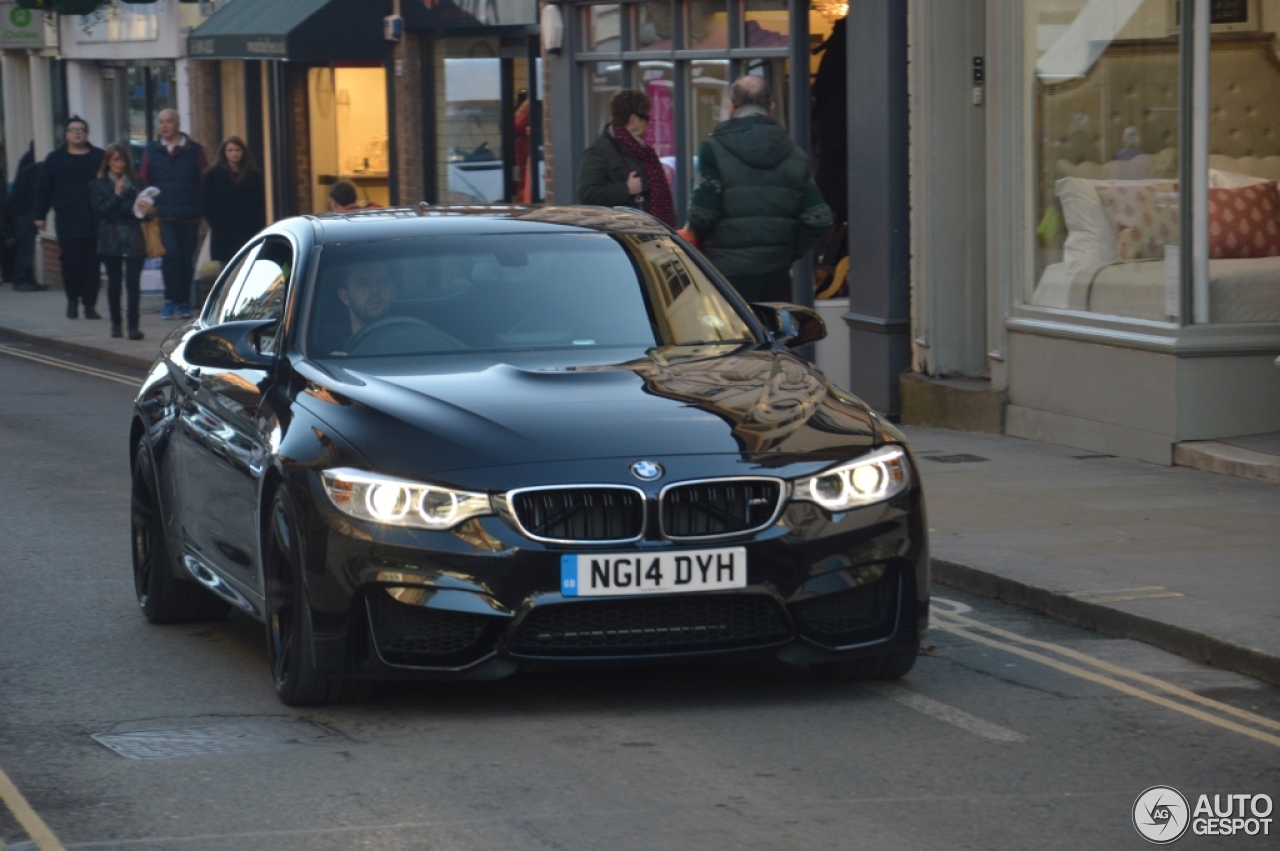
483,119
685,54
1133,248
305,83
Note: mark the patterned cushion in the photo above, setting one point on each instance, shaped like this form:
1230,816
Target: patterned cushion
1144,218
1244,222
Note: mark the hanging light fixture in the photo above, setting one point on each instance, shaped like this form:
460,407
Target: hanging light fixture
832,10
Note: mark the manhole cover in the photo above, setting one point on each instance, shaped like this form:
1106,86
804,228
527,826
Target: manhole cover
955,459
215,740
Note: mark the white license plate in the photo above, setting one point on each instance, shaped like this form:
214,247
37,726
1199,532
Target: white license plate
617,574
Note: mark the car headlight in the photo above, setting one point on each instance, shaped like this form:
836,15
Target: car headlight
874,478
400,502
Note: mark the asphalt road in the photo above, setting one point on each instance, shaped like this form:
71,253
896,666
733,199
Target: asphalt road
1013,731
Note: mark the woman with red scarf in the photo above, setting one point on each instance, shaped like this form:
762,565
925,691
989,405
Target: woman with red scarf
620,169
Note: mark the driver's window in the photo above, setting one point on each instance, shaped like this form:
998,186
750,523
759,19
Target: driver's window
262,295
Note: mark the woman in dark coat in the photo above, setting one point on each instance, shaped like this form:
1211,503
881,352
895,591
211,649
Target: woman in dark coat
619,169
121,247
235,201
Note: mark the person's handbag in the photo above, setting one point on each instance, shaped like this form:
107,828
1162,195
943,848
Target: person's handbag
151,233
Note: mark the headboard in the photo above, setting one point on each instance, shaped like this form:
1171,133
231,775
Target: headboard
1134,83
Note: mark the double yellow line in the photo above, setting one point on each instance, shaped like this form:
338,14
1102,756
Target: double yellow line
71,367
1086,667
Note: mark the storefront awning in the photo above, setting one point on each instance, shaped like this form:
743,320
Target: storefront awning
292,30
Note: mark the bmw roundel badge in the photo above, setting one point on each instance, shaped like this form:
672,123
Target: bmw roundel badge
646,471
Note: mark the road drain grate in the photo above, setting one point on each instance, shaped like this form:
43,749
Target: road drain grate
216,740
961,458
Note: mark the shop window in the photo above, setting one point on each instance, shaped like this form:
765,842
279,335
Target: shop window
132,95
778,74
603,30
1107,179
767,23
1107,158
708,25
657,80
1243,207
471,133
602,79
654,27
710,79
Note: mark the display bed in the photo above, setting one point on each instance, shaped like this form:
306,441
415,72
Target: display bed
1240,290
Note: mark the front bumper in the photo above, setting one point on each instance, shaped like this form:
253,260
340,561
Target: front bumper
481,601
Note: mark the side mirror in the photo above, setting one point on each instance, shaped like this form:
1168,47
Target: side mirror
790,324
233,345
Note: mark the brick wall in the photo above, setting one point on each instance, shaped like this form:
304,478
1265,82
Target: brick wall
408,119
206,106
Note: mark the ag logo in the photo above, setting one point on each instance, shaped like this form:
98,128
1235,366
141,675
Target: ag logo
19,16
1161,814
646,471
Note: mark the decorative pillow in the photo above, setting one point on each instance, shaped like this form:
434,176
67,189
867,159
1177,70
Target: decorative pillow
1145,218
1219,179
1090,239
1265,168
1244,222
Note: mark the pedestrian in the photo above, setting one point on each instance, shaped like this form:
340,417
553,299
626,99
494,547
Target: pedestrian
63,185
343,197
522,134
18,209
121,247
175,164
235,200
755,208
619,169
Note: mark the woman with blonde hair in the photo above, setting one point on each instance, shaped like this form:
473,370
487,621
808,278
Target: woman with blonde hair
121,246
235,200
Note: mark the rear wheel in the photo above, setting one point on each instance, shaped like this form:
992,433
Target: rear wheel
289,632
162,596
893,665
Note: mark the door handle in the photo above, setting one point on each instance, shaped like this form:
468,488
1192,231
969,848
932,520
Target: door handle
193,377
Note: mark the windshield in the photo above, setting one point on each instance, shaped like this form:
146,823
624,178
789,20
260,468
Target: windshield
514,292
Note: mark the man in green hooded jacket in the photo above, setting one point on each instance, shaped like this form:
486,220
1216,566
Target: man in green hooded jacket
755,208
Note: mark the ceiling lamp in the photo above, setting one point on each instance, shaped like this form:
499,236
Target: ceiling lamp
832,10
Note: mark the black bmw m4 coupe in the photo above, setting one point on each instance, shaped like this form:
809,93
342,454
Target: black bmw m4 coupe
445,442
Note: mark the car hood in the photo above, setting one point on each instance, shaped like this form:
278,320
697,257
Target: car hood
747,403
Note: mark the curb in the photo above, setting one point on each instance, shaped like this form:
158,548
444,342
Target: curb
143,364
1106,620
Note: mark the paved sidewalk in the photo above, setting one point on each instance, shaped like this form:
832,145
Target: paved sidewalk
41,318
1183,559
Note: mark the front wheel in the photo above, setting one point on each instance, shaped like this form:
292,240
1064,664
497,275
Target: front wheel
289,632
162,596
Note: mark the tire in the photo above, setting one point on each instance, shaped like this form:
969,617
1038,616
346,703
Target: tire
289,632
893,665
163,597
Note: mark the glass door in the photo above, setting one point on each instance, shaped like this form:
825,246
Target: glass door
490,123
348,134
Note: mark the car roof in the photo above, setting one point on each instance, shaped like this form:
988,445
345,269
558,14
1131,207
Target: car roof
426,220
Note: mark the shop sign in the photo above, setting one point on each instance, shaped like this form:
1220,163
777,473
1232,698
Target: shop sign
27,28
245,47
121,22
